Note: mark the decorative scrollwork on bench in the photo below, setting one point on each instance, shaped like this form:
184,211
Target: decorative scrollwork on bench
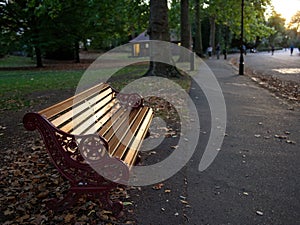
130,100
95,152
93,148
66,153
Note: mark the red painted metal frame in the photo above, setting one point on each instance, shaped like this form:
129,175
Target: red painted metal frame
63,149
132,100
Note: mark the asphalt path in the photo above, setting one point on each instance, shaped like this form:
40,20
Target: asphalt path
282,64
255,177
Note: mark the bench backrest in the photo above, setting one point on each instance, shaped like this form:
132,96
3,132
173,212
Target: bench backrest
85,112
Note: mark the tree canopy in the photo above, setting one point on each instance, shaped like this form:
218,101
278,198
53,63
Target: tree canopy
42,27
53,24
295,21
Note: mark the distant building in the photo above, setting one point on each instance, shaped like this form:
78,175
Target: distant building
140,44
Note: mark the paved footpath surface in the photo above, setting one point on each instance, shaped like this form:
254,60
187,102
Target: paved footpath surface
255,178
281,65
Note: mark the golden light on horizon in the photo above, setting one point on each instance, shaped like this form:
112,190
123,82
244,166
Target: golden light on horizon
287,8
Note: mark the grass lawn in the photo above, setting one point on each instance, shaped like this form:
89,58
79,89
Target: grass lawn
17,85
16,61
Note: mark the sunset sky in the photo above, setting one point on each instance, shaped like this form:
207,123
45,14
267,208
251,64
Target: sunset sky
287,8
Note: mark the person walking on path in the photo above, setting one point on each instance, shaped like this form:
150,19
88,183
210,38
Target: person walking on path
244,48
218,49
272,49
209,51
225,53
292,49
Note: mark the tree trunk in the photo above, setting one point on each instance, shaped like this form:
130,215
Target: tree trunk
198,33
185,30
159,30
159,26
212,35
38,54
77,57
226,40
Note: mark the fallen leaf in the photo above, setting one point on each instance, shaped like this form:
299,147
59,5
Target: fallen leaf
260,213
105,212
152,153
68,218
91,212
43,194
8,212
127,203
280,136
158,186
21,219
290,142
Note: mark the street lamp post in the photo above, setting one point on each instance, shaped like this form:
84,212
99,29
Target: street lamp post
241,66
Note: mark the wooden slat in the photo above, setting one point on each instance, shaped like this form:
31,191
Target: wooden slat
62,106
68,127
119,125
62,119
86,104
119,146
86,118
60,122
137,142
101,120
115,121
109,109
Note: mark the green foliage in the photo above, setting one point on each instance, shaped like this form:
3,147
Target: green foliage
116,22
53,24
228,13
174,16
277,24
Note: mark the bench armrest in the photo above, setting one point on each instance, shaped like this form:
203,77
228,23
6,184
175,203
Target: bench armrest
132,100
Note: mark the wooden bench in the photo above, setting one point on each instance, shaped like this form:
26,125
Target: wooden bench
93,139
